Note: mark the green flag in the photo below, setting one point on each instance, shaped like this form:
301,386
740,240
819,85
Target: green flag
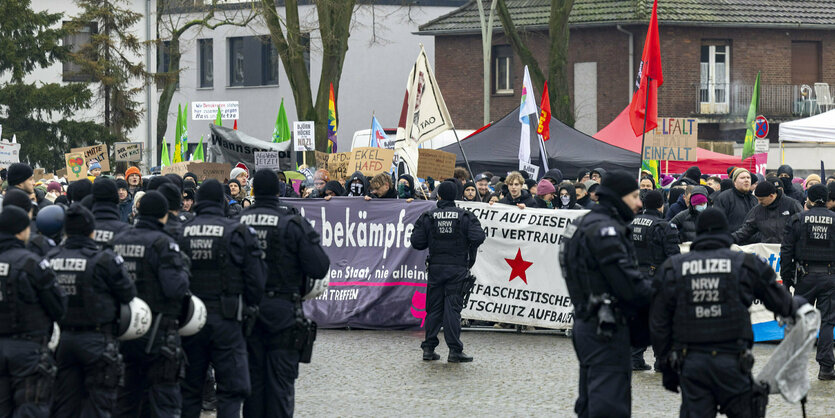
281,132
652,167
198,152
218,120
184,133
164,161
750,121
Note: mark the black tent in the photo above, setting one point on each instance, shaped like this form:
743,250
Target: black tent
496,149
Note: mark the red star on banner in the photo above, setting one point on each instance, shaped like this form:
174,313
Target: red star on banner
518,267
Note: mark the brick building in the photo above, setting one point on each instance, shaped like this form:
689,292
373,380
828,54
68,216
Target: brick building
711,52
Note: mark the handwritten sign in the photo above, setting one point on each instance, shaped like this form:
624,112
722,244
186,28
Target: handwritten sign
127,151
203,171
338,165
436,164
266,160
96,152
76,166
370,160
9,154
322,160
675,139
532,170
303,134
208,110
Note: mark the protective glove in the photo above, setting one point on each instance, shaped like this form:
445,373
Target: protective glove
669,379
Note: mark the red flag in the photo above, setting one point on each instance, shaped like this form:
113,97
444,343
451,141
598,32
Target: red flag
544,127
648,81
236,125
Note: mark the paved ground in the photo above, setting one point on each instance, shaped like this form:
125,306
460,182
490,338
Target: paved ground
380,373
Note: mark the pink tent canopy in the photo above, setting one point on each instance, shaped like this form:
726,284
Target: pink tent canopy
619,133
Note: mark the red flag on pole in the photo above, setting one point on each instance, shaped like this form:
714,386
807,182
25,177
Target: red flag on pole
644,105
544,127
236,125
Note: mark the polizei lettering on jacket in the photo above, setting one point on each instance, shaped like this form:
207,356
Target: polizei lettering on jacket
706,266
203,231
4,269
816,219
260,219
642,221
68,264
445,215
130,251
101,235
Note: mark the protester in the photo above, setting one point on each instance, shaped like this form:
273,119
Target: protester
134,179
405,187
93,170
766,222
811,180
692,176
581,194
517,195
566,198
682,203
125,200
591,189
188,200
647,183
333,188
530,186
236,190
553,175
786,175
357,184
482,183
685,221
470,192
597,174
381,187
583,175
735,203
53,190
545,193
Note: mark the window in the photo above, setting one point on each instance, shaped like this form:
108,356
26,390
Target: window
502,64
806,62
163,61
714,77
206,71
74,42
253,61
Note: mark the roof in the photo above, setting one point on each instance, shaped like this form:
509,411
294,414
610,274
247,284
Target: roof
534,14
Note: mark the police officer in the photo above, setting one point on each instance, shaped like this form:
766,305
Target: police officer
807,255
31,301
96,284
452,235
293,254
174,226
154,363
606,287
106,211
655,240
228,275
700,326
38,243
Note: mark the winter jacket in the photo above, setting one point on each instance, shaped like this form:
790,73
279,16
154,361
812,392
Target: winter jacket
125,208
542,204
572,203
524,197
362,190
767,223
685,222
676,208
736,206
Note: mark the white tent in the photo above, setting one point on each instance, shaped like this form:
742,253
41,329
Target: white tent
818,128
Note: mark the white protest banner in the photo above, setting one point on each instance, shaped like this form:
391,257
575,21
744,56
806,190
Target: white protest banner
127,151
9,154
208,110
519,280
303,134
266,159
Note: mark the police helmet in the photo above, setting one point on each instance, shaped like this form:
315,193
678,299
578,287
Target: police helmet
134,319
54,338
50,220
313,288
194,316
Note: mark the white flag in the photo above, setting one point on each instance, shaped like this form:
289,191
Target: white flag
527,108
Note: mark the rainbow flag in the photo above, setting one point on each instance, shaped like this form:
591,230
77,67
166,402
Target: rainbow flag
652,167
331,122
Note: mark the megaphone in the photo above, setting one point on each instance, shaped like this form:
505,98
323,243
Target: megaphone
194,317
134,320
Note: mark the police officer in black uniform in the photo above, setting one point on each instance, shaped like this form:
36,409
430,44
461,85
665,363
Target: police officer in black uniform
655,240
807,263
96,284
31,301
700,325
174,196
607,289
228,275
106,211
453,236
293,254
38,243
154,363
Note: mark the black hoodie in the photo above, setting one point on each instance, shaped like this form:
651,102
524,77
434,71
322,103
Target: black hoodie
767,223
409,191
524,197
361,189
572,202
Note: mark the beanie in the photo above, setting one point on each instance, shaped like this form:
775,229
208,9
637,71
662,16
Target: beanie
554,174
157,181
19,198
210,191
18,173
153,204
545,187
737,171
693,173
447,190
78,220
582,173
666,180
53,186
191,175
236,172
818,194
172,195
79,190
654,200
469,184
175,180
698,199
530,183
764,189
711,220
620,182
234,181
812,177
94,164
105,190
121,184
730,171
265,183
133,170
13,220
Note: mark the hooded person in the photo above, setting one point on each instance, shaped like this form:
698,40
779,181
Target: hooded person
357,185
685,221
333,188
786,174
470,192
678,202
766,222
406,187
694,174
737,201
545,195
597,174
554,175
106,211
566,197
583,174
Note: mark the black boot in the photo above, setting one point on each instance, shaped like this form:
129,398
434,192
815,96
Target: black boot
826,374
429,354
458,357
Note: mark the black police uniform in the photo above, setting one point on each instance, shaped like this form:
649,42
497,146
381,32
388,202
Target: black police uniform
292,253
153,367
108,223
598,261
807,262
31,302
655,240
701,314
40,244
89,363
452,236
228,276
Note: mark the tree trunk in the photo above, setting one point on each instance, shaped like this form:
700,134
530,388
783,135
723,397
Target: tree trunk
169,86
558,90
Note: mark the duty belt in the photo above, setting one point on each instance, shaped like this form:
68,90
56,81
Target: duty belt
280,295
29,337
818,268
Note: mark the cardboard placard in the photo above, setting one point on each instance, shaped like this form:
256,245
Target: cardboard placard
303,135
675,139
266,160
76,166
436,164
370,160
38,173
98,152
322,160
62,173
127,151
203,171
337,165
9,154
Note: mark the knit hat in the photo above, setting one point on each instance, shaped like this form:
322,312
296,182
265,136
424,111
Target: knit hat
133,170
693,173
785,169
157,181
582,173
189,194
265,183
121,184
79,190
544,187
469,184
666,180
18,173
620,182
698,199
175,180
554,174
210,191
105,190
172,195
234,181
736,172
447,190
764,189
530,183
153,204
711,220
236,172
191,175
653,200
812,177
13,220
818,194
78,220
93,164
19,198
53,186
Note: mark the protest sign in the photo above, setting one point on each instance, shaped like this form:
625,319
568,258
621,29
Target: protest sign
436,164
370,160
208,110
337,165
62,173
321,160
203,171
675,139
127,151
38,173
234,146
531,169
95,152
76,166
303,136
266,160
9,154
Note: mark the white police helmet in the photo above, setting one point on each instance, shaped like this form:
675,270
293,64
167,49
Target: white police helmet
194,318
134,319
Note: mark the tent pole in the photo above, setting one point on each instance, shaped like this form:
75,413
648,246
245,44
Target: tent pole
463,154
543,151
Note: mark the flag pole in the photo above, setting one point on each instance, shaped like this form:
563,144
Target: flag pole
463,154
371,132
644,134
543,151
